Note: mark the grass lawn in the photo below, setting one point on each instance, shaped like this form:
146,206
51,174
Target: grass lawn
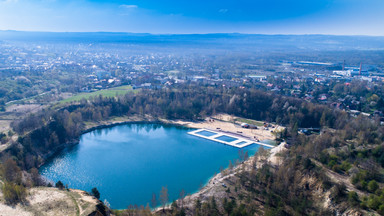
250,121
112,92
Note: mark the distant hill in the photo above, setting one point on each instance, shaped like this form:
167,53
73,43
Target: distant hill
226,41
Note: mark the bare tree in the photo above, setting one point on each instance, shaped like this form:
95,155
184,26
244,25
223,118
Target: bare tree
241,155
181,197
153,201
164,197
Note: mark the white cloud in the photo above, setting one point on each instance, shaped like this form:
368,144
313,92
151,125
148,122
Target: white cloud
223,10
8,1
128,6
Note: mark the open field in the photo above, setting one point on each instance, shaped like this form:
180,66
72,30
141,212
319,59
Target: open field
250,121
16,111
112,92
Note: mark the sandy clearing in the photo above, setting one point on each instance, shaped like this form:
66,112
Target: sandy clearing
274,158
24,108
8,210
223,121
52,201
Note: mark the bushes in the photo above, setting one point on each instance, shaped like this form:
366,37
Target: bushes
59,185
375,201
345,166
14,193
353,198
10,171
332,161
95,193
338,192
363,180
373,186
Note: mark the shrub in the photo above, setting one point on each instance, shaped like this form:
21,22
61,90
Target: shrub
338,192
14,193
374,202
95,193
353,198
345,166
381,209
373,186
60,185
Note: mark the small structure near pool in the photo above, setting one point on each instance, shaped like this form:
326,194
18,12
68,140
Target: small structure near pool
250,126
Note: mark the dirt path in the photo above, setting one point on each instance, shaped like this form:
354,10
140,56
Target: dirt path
338,178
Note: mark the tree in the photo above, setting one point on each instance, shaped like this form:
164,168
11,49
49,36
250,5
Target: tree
198,205
230,166
241,155
373,186
164,197
36,180
294,129
60,185
11,171
153,201
14,193
246,156
353,198
95,193
174,206
181,197
338,192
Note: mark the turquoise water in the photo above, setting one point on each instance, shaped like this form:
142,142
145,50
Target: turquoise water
206,133
127,163
226,138
240,143
270,142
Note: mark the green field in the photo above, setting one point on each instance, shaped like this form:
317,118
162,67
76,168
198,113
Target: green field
250,121
112,92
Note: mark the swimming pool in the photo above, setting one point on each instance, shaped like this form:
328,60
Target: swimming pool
226,138
206,133
241,143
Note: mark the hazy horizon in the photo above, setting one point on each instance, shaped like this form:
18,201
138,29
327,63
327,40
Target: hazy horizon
295,17
207,33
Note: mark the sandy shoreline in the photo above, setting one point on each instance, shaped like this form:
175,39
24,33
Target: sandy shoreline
223,122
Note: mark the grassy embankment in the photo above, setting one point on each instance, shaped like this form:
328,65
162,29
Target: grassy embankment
121,90
250,121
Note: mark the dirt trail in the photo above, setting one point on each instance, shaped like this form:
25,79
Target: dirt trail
51,201
338,178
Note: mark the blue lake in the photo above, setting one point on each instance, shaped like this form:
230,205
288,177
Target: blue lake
127,163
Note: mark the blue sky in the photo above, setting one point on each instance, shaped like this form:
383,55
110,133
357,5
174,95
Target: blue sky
341,17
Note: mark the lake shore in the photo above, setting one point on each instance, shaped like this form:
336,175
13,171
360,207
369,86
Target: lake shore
209,189
218,184
228,123
223,122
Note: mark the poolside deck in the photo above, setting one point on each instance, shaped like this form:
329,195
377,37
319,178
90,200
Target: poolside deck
227,138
